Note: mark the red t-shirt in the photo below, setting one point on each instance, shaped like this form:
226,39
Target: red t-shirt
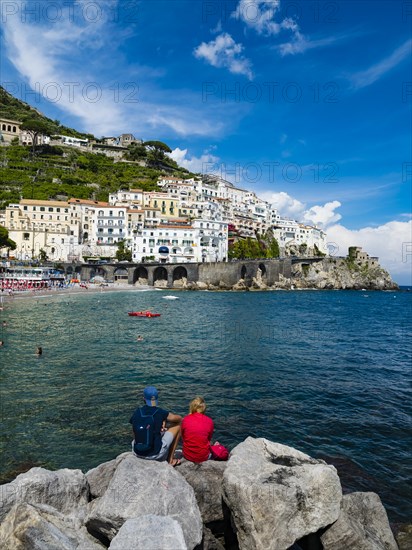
197,431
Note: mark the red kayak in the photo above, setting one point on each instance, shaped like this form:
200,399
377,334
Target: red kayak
142,314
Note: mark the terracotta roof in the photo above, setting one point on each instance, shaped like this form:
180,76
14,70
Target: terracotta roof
43,203
162,226
89,202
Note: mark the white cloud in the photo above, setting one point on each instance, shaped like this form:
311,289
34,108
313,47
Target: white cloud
200,164
224,52
324,215
285,204
391,242
59,69
371,75
258,15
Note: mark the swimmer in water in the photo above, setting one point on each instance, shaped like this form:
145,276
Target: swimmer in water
39,351
140,338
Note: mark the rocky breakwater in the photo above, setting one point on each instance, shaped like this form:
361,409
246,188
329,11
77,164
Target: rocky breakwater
342,274
267,496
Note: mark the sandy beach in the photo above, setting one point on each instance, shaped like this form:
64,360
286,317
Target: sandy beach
70,291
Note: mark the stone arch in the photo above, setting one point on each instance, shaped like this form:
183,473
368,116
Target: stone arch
160,274
262,268
179,273
243,272
140,276
98,272
121,274
78,269
69,270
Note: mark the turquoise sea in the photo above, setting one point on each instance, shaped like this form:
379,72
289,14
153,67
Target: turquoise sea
328,372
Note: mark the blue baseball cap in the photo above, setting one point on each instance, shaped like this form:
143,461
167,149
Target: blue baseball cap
150,392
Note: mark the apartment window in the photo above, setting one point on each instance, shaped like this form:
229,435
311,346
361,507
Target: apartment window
34,216
110,231
62,241
50,209
26,236
111,213
34,208
41,216
24,207
42,209
66,210
57,209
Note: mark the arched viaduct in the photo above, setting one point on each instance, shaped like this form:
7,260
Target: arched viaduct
169,275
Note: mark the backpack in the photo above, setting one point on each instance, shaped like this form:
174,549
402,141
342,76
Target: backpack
219,452
144,431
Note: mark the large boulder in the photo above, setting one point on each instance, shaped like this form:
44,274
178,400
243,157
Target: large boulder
206,479
41,527
362,525
404,536
210,542
145,487
278,495
99,477
66,490
151,532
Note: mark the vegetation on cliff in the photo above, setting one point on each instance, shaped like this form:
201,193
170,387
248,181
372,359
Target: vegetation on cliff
264,246
54,172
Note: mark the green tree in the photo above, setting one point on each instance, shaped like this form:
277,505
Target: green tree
36,127
43,255
158,150
123,253
136,152
5,241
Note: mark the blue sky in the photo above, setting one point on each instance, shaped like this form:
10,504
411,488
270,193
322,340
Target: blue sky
307,103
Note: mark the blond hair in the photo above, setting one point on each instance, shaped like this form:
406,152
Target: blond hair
197,405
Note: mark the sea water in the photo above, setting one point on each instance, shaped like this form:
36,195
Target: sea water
327,372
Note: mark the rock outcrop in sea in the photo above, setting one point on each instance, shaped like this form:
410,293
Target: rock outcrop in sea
266,497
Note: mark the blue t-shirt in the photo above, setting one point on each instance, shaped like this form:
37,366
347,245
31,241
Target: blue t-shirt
158,419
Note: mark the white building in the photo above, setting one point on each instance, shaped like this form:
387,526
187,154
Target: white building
199,241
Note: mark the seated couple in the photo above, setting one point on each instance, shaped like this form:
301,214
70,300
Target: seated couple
153,441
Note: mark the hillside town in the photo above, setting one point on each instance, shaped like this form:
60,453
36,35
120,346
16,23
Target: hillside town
187,220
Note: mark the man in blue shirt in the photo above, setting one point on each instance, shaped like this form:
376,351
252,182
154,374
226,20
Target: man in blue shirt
152,440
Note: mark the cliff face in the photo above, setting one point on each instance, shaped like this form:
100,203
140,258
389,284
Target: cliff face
331,273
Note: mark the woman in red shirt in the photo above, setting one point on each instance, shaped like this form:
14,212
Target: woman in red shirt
197,431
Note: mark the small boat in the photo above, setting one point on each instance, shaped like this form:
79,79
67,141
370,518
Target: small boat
142,314
170,297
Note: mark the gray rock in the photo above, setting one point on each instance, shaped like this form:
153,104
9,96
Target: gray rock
362,525
99,477
151,533
66,490
210,542
144,487
41,527
404,537
206,479
278,495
